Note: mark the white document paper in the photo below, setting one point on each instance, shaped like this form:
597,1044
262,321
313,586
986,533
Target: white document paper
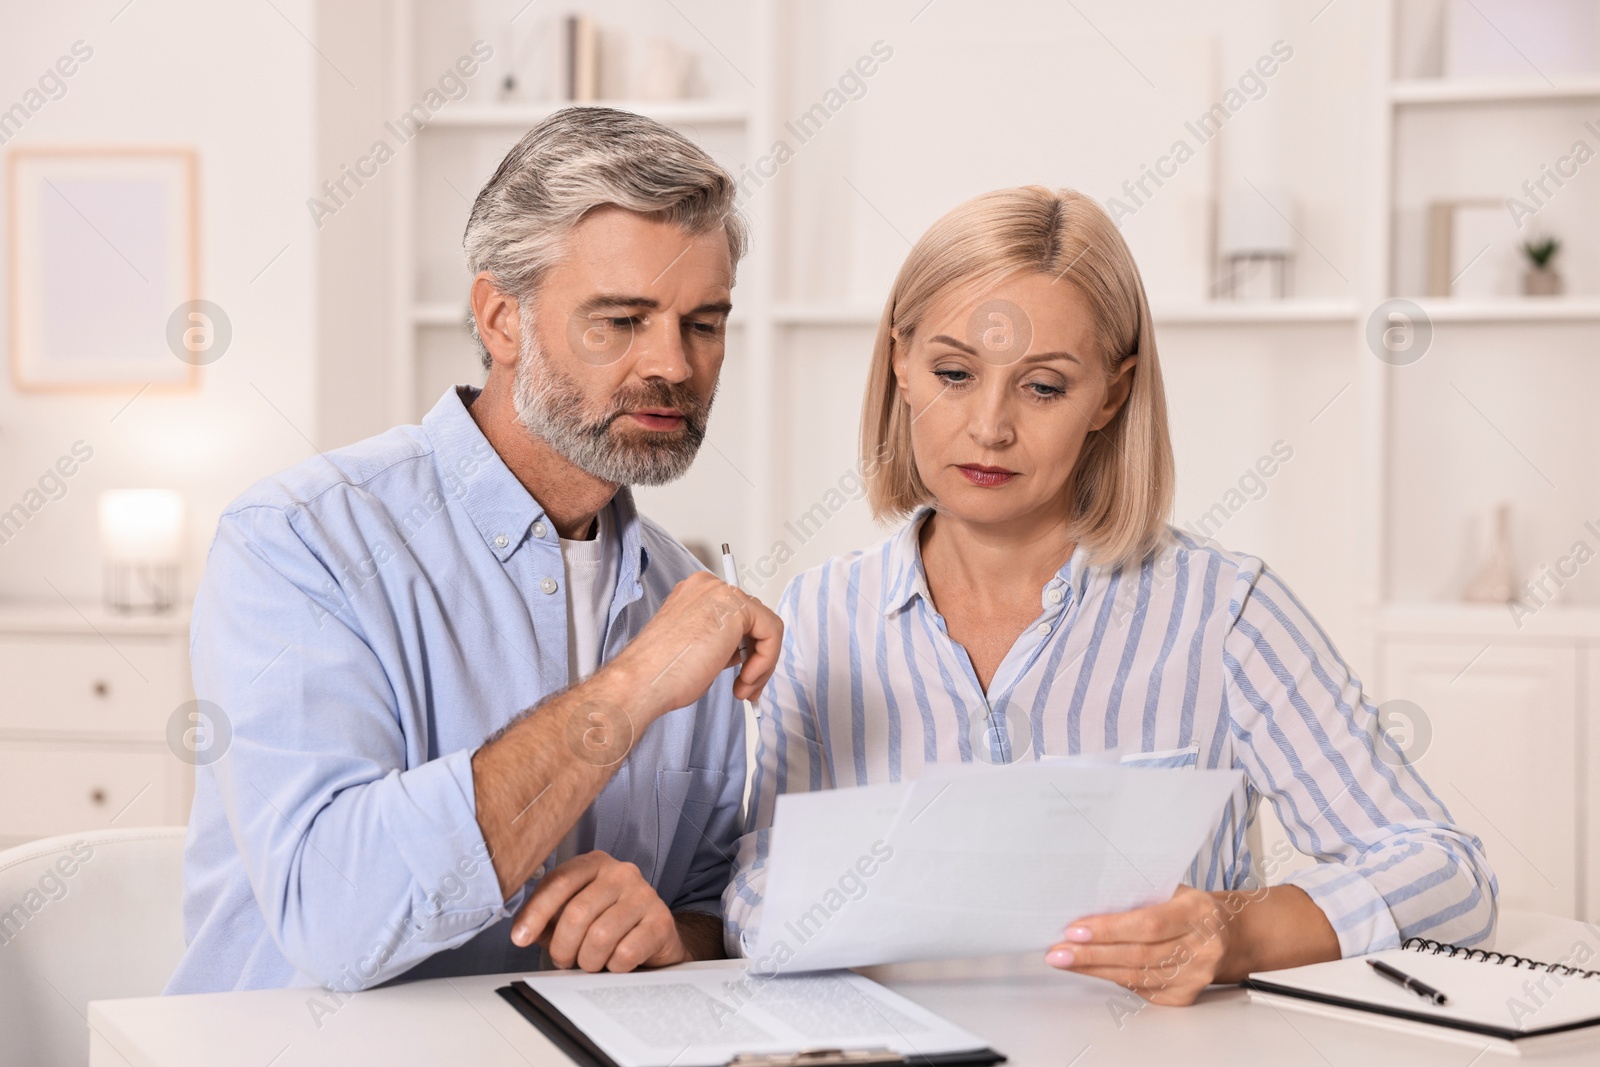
703,1017
975,860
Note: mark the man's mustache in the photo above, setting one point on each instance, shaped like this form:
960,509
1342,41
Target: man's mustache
657,393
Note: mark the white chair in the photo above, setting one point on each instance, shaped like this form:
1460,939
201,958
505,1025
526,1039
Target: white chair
83,917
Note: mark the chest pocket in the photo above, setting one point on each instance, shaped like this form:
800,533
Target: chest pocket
685,804
1172,757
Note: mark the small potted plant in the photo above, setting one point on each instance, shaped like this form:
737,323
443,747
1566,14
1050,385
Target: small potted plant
1541,278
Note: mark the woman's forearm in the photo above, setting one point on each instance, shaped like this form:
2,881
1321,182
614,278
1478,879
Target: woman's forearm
1271,928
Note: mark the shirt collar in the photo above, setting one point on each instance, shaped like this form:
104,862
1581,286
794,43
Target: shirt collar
500,506
908,580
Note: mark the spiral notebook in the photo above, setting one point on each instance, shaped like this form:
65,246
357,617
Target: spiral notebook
1493,998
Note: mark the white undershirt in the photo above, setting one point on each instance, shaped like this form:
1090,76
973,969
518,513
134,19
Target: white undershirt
591,568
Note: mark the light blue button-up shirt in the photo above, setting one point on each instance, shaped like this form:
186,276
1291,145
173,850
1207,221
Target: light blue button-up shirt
367,620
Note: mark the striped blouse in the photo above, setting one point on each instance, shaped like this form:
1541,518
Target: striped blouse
1199,657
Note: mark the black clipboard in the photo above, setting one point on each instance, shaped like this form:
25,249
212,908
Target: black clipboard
569,1038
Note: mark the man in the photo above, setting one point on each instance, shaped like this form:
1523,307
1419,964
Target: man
477,703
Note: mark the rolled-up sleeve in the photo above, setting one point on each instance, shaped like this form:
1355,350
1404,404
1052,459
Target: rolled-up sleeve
789,758
1391,863
364,856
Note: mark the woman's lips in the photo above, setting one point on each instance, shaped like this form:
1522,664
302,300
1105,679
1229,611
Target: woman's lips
988,477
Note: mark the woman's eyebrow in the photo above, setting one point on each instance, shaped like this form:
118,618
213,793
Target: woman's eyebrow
1037,357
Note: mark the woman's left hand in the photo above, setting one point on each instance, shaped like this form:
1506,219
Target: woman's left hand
1167,953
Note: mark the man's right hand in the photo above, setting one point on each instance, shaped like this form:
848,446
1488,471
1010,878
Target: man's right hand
697,634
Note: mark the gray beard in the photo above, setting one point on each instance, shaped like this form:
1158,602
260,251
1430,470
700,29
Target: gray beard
550,406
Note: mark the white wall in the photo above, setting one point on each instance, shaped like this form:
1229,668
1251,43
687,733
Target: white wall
235,82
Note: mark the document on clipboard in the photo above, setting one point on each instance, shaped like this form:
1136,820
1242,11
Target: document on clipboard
973,861
732,1015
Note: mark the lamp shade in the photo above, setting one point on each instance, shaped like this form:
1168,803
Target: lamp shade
1252,225
141,526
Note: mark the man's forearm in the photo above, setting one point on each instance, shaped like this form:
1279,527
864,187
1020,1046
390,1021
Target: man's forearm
701,934
535,780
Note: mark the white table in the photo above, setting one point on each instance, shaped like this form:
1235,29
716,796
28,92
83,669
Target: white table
1037,1016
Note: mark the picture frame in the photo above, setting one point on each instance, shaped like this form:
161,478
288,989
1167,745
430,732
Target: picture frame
103,255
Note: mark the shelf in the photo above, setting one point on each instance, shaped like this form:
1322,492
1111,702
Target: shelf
1488,621
1512,309
1445,91
1217,313
1257,312
826,315
670,112
441,313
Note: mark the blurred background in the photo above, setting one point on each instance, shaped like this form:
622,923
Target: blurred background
1368,230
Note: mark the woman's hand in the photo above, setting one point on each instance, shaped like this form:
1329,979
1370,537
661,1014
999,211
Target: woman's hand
1168,953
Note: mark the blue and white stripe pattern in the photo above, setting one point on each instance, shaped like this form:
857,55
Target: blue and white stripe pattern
1199,657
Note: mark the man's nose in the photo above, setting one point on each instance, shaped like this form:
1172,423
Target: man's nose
662,354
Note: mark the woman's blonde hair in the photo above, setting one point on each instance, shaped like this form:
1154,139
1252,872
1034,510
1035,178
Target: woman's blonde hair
1121,488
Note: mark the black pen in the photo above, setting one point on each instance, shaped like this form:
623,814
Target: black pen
1399,977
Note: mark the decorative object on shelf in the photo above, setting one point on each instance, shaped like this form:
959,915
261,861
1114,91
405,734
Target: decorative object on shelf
583,59
141,540
1529,39
1541,278
108,229
664,72
1255,244
1496,580
1469,249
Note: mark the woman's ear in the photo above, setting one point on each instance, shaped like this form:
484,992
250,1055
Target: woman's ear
1117,393
899,359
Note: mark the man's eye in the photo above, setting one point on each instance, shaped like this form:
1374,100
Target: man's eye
627,322
708,328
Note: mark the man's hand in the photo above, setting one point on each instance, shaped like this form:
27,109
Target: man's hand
695,636
534,781
600,914
1168,953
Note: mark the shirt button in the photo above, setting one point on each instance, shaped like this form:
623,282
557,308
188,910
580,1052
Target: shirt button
1043,628
501,540
1056,595
538,872
538,530
549,585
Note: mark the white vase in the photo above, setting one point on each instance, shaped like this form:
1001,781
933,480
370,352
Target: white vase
1496,580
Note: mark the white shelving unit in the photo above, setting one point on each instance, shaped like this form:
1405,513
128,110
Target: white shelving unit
1511,730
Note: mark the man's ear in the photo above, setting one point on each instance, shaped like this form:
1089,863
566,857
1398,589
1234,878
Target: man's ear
499,325
1117,394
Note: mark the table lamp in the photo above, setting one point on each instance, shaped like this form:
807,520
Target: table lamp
141,540
1255,244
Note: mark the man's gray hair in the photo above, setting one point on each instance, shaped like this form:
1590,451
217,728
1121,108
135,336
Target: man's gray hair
579,159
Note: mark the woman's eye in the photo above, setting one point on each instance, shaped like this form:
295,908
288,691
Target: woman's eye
1045,389
953,377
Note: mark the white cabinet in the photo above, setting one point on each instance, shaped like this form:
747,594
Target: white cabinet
85,699
1497,742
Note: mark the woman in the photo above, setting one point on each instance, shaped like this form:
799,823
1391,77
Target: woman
1037,603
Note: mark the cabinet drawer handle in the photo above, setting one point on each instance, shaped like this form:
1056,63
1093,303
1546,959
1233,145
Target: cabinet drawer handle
101,688
97,796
